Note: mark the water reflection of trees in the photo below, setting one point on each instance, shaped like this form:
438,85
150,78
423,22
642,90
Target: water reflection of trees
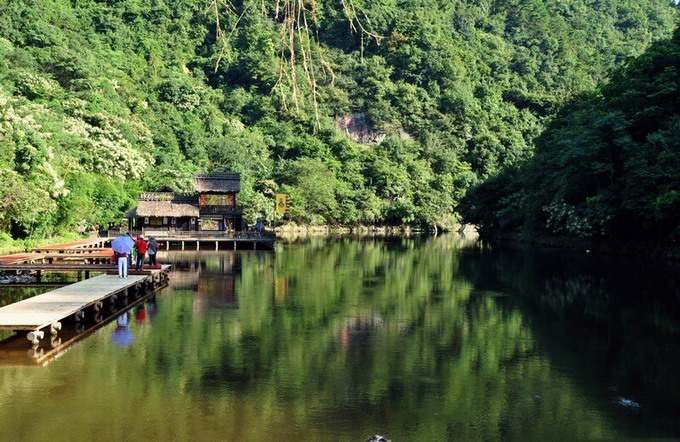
611,320
371,331
342,339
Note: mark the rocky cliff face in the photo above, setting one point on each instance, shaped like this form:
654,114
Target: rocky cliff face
358,128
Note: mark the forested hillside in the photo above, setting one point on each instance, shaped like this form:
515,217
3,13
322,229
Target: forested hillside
364,112
607,167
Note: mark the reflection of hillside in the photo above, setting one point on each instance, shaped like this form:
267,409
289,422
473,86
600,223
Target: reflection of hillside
605,318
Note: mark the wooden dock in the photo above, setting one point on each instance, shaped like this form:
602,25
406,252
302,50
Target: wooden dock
46,312
87,251
40,269
21,258
80,246
13,352
211,240
57,268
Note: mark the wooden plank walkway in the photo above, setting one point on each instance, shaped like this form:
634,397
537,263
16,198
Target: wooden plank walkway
88,257
18,258
48,309
68,250
210,239
13,350
73,246
57,268
82,269
86,250
96,256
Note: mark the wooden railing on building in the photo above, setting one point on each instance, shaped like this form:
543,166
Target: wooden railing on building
219,210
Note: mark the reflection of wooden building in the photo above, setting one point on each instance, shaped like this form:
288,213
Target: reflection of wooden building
216,289
212,207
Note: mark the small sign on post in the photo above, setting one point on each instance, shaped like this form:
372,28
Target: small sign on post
281,204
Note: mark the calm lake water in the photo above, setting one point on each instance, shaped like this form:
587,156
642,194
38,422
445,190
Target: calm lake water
418,339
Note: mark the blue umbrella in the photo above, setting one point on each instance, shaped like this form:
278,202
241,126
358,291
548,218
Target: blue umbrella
122,244
122,336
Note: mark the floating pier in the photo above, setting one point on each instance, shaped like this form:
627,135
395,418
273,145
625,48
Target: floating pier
46,312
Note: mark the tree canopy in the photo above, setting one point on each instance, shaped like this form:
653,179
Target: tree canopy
607,165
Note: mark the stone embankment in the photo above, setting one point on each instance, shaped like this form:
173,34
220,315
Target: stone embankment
302,229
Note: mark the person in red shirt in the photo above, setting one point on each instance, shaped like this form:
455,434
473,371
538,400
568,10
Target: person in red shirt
141,252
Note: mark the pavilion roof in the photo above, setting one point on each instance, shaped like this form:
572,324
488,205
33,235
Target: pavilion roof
218,182
163,208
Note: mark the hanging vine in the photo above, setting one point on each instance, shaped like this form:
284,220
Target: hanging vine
301,57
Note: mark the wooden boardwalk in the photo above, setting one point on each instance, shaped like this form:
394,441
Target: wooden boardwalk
20,258
88,256
13,352
82,270
211,240
82,245
86,251
46,311
57,268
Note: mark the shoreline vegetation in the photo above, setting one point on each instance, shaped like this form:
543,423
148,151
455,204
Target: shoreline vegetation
468,232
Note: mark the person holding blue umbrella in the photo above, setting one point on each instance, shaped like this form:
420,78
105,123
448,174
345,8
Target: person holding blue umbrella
122,247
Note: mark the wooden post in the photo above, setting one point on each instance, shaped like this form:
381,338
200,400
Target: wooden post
198,244
216,246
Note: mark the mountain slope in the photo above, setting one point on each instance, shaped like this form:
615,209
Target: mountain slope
100,100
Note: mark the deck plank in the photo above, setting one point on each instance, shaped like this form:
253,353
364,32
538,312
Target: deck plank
42,310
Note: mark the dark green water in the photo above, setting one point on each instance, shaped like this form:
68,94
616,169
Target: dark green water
336,340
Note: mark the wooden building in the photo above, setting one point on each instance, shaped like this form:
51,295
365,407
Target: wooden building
211,208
